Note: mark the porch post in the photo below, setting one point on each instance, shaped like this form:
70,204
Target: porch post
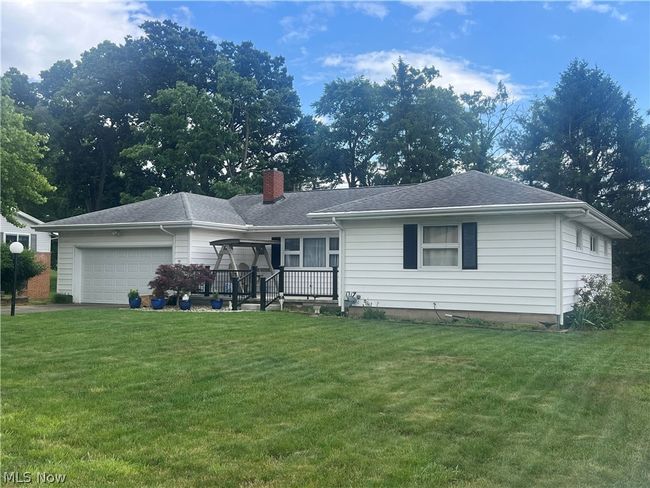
262,294
335,282
281,280
254,283
235,292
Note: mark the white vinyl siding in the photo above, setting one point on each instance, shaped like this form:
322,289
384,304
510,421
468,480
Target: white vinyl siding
516,267
43,239
201,252
578,262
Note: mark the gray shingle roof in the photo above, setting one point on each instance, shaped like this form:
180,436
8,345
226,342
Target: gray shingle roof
179,207
462,190
293,209
466,189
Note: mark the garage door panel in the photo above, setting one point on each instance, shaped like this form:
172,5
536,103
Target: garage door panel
107,274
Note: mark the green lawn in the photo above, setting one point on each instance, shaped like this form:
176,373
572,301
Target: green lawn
169,399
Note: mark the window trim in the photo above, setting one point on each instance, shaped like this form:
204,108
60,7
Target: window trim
300,253
18,236
581,241
458,246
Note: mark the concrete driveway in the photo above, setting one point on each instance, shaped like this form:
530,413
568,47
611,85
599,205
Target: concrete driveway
56,307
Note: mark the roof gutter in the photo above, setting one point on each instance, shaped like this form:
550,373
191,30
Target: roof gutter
476,209
140,225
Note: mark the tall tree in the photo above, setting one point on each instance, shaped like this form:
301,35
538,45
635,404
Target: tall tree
21,182
186,141
355,110
492,118
587,140
20,89
425,129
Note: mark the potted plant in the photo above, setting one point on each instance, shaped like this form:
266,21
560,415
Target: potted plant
134,299
216,302
185,303
158,301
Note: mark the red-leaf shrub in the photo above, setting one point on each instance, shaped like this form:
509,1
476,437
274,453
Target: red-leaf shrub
181,278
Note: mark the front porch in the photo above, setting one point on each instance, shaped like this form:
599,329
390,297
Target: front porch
268,286
270,282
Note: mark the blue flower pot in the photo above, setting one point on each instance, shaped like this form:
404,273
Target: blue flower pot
216,304
158,303
135,302
185,304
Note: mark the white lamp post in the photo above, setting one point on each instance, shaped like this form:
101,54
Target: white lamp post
16,248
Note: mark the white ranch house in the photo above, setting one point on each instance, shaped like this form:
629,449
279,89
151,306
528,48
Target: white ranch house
469,244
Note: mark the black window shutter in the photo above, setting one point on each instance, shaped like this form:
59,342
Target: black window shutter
275,253
32,241
470,254
410,246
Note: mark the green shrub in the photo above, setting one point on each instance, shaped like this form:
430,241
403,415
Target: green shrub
28,267
372,312
331,310
638,301
62,298
600,304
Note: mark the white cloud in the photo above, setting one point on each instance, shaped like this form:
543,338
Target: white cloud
311,21
599,7
427,10
314,18
182,15
460,73
35,35
372,9
556,37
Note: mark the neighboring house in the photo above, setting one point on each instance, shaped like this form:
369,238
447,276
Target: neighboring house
469,244
37,240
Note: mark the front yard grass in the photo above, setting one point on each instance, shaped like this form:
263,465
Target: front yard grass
123,398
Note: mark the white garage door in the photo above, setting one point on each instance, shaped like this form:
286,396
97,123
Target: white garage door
107,275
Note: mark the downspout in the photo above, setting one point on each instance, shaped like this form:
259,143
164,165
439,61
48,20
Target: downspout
173,240
560,259
559,270
341,261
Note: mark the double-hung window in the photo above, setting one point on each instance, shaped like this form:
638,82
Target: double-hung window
333,251
22,238
311,252
292,252
314,252
440,245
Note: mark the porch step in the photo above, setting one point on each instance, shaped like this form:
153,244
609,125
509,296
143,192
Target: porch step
256,306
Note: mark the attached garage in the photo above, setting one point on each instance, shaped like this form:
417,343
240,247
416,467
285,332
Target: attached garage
107,274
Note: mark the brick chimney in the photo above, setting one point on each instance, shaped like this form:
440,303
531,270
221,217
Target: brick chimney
273,185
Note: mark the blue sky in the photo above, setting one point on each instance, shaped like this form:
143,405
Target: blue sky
473,44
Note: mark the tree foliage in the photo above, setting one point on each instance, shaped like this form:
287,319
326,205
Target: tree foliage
587,140
355,110
27,267
425,127
21,181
